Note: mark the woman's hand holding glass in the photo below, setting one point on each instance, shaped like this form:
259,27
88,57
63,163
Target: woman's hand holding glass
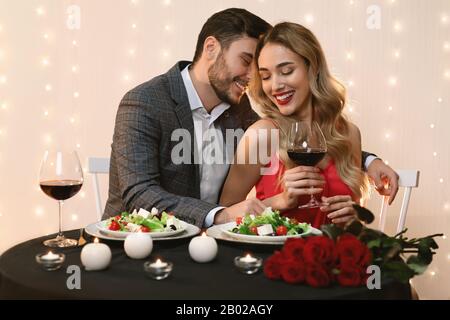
300,181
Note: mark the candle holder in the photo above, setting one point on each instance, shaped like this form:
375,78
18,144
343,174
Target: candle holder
50,261
158,270
248,264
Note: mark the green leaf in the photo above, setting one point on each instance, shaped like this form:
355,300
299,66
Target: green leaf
355,227
376,243
417,265
398,270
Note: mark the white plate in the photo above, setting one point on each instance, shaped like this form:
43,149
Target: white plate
102,227
188,230
222,232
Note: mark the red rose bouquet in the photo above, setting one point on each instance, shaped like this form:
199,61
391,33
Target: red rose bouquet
342,255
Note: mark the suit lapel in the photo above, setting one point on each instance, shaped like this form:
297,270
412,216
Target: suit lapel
183,110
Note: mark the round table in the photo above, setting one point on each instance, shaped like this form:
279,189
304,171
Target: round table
22,278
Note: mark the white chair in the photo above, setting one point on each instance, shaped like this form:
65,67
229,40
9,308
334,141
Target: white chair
408,179
98,166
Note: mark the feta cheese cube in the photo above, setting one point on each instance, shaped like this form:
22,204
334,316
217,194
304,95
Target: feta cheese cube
154,211
133,227
265,229
143,213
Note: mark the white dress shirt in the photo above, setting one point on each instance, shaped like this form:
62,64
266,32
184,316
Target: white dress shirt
208,138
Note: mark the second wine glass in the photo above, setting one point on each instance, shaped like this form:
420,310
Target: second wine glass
307,147
61,177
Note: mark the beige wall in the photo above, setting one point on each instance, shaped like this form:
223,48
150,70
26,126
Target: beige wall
111,56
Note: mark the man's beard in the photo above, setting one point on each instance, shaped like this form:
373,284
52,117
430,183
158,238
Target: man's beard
221,81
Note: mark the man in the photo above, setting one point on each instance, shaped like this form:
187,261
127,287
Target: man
207,94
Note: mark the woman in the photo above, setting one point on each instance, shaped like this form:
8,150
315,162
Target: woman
291,82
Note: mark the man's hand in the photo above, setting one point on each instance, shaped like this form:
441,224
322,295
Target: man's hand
250,206
384,178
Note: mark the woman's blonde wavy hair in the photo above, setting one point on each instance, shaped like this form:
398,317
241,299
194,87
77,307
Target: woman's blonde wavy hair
327,98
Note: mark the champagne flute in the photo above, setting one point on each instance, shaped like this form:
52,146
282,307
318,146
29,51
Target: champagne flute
306,147
61,177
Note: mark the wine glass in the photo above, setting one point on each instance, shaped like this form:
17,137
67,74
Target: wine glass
306,147
61,177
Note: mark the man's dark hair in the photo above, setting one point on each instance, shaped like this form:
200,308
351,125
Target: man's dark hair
230,25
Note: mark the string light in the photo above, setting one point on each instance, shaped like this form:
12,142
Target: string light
439,100
74,217
72,120
397,54
351,2
74,69
309,18
167,2
447,206
45,62
39,211
432,273
3,79
74,43
135,2
134,26
78,146
398,26
349,55
350,29
4,106
447,74
351,83
82,194
432,126
48,87
435,154
76,95
444,18
392,81
441,180
40,11
390,108
132,52
167,27
387,135
47,138
1,28
45,113
46,36
446,46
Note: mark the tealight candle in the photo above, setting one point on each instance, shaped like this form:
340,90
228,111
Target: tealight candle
50,261
248,264
203,248
138,245
95,256
158,270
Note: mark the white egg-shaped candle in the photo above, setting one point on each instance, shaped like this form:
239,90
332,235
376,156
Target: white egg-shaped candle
95,256
138,245
203,248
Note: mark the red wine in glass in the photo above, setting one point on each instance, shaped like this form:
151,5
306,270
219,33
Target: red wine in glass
303,157
307,147
61,189
61,177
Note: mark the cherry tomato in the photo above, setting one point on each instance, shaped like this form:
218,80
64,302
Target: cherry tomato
281,230
254,230
238,220
145,229
118,217
114,226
